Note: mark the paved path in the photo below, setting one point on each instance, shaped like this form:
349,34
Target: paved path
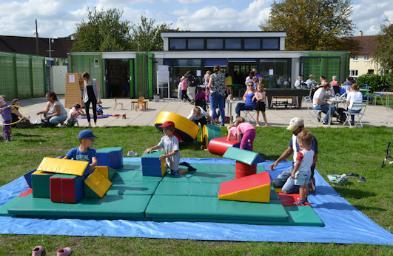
374,115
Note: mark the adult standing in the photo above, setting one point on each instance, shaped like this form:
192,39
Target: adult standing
296,125
91,96
334,84
217,94
54,112
191,85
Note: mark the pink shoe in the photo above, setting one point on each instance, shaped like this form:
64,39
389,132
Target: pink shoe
64,251
38,251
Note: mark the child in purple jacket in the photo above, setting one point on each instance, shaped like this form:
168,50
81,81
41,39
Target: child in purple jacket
5,111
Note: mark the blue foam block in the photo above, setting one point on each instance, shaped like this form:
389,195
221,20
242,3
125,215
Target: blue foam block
112,157
148,170
27,177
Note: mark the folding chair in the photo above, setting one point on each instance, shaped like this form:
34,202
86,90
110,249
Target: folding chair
249,115
315,114
358,116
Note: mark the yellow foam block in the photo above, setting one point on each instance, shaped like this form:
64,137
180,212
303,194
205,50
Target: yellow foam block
103,170
259,194
278,190
98,183
163,167
64,166
181,123
40,173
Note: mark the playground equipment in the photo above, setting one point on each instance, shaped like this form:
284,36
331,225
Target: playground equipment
246,161
252,188
186,130
152,165
210,132
112,157
219,146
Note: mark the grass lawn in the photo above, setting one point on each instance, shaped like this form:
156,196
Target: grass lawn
341,150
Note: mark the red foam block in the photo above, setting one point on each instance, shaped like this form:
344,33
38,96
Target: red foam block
289,199
243,170
243,183
218,146
26,192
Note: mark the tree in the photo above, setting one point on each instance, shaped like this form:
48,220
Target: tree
146,35
102,31
384,52
312,24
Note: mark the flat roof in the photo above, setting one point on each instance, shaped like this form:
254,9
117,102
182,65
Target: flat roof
223,34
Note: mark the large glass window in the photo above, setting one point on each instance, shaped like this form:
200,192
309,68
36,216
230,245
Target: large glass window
276,73
177,44
233,44
252,44
196,44
214,44
271,43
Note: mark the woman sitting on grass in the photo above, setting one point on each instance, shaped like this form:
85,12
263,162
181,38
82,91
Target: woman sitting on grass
54,112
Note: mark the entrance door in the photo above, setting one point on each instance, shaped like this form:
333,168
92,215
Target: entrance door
239,72
117,75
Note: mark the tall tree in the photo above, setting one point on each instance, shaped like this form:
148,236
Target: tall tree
384,52
312,24
104,30
146,35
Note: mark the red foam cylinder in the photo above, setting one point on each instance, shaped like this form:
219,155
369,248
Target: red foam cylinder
219,146
243,170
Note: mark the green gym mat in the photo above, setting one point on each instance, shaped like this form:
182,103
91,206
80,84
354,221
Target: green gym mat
303,216
125,177
194,208
202,177
134,188
110,207
187,189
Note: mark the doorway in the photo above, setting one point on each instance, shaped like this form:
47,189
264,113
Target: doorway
117,78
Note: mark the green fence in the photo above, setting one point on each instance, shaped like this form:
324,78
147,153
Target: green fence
22,76
325,64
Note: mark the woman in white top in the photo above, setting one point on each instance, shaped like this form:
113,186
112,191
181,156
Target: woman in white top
90,95
54,112
354,96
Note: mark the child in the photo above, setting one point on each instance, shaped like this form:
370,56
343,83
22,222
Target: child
170,145
260,97
198,116
5,111
200,98
302,169
73,115
84,152
231,133
245,133
184,86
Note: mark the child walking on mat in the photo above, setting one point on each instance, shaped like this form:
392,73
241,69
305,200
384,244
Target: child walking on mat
302,169
170,144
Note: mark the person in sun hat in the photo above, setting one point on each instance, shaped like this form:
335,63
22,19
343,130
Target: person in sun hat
170,145
296,125
84,152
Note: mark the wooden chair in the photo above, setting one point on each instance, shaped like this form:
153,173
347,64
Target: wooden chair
121,105
142,104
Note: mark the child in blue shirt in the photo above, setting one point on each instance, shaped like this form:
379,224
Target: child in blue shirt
84,152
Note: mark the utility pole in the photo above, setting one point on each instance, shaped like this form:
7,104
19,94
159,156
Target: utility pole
37,51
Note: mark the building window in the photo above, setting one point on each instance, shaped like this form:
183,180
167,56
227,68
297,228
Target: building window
270,44
196,44
354,72
177,44
233,44
214,44
365,57
252,44
355,57
370,71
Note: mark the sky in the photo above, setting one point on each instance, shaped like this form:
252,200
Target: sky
59,18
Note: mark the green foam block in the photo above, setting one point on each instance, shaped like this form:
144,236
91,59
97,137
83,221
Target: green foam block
304,216
41,185
194,208
110,207
244,156
202,177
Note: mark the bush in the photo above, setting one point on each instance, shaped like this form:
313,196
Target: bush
376,82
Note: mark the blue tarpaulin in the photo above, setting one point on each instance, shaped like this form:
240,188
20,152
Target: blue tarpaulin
344,224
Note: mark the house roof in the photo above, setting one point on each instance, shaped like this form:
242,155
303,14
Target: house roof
367,45
27,45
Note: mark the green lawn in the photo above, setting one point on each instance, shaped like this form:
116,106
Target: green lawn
341,150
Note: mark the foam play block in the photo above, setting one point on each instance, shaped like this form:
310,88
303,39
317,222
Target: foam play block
289,199
253,188
103,170
66,188
219,146
303,216
40,182
210,132
63,166
98,184
131,207
27,177
152,165
199,208
243,170
244,156
185,129
112,157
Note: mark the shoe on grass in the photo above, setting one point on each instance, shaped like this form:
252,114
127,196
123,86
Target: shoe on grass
64,251
39,250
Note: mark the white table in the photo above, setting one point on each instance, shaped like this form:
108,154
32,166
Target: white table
334,101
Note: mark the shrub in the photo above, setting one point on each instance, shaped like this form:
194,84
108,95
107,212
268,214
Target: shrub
376,82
